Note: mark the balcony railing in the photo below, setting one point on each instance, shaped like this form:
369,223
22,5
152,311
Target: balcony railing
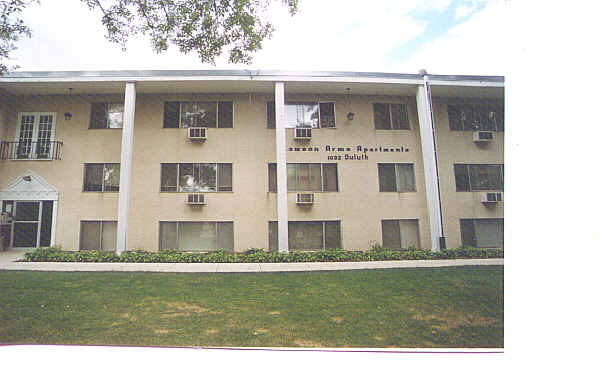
26,150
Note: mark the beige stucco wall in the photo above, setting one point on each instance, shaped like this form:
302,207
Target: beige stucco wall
249,146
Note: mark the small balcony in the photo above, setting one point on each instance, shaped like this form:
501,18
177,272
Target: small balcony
27,150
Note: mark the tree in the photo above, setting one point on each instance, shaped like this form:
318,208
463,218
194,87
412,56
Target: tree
206,27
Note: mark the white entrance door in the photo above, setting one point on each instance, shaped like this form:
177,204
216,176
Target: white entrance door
35,133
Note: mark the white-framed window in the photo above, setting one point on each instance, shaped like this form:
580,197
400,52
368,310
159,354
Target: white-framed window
475,177
400,233
304,115
209,114
196,236
306,177
196,177
389,116
106,116
98,235
484,233
101,176
396,177
481,115
308,235
35,135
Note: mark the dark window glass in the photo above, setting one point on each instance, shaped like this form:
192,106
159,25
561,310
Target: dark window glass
400,116
93,176
225,236
461,175
225,119
390,230
332,235
112,176
271,115
224,174
327,115
171,115
382,116
46,224
330,179
387,177
273,236
198,114
272,177
467,232
25,234
168,177
98,116
454,117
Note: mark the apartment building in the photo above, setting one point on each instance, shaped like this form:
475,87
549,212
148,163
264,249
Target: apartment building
204,160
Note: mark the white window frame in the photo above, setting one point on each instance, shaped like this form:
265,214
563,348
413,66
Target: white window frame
35,133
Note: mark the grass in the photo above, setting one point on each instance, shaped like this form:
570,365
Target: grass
429,308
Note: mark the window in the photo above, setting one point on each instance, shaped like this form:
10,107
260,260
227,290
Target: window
107,116
482,232
191,236
473,177
98,235
304,115
396,177
35,135
218,114
196,177
306,177
481,116
400,234
101,176
390,116
308,235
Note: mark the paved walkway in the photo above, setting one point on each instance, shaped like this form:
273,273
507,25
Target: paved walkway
8,261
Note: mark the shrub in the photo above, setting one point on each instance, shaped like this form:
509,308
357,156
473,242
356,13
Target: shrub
254,255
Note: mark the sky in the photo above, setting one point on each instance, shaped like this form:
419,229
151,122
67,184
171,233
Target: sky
442,36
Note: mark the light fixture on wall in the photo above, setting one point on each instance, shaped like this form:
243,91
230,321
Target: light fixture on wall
68,116
350,115
27,178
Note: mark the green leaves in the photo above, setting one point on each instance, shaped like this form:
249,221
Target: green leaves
206,27
254,255
12,28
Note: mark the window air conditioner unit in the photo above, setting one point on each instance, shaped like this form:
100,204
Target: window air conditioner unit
196,199
302,133
491,197
305,198
483,136
197,134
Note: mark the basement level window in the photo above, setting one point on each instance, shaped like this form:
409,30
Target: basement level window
107,116
400,234
485,233
217,114
98,235
196,236
308,235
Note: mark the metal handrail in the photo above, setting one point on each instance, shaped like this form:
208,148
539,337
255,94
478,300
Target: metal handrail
30,150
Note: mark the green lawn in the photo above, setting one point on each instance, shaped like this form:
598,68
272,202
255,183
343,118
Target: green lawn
429,307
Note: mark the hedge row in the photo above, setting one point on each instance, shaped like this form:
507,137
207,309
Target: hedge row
256,256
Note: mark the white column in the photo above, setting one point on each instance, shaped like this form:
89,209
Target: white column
282,203
425,112
126,159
